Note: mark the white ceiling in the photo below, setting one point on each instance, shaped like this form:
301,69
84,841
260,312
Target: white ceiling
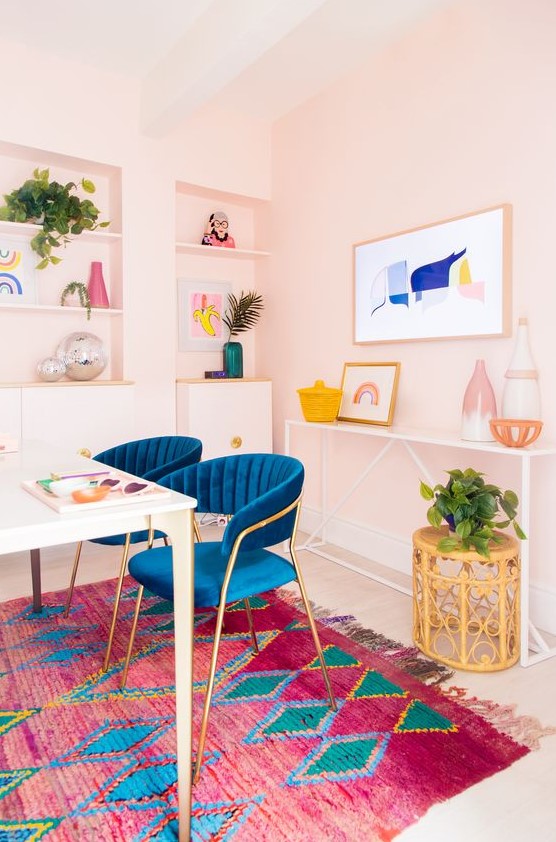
263,57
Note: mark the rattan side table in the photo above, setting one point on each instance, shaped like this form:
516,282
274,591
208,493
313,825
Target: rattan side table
466,610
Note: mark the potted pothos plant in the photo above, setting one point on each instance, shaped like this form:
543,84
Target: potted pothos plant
473,509
242,313
56,207
77,288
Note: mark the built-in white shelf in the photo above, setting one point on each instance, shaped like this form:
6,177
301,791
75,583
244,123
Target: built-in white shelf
29,229
33,384
212,251
56,308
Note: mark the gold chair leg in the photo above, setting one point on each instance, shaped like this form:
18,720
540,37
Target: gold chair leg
251,625
208,694
132,635
314,632
72,580
123,566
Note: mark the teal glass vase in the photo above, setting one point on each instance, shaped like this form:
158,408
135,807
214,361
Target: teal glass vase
233,359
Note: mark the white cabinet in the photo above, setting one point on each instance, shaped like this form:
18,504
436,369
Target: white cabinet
96,417
228,416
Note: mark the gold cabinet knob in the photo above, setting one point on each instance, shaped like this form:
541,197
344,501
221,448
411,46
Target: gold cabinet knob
236,442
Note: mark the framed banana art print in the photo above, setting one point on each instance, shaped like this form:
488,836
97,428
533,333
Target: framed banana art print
369,393
201,306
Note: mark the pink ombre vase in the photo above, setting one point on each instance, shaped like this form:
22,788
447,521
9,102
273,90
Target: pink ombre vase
96,289
479,406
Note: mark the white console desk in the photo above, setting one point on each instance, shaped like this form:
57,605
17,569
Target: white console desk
534,647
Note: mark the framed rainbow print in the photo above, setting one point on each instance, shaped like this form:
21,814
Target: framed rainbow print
17,272
369,392
201,306
445,280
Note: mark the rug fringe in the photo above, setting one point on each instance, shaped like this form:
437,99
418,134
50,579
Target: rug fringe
523,729
408,658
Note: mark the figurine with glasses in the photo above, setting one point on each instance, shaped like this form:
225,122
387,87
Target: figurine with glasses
217,232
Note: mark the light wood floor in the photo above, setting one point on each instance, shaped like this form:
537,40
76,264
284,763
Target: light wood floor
515,805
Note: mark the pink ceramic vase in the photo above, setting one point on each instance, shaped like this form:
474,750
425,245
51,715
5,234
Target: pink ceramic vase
96,289
479,406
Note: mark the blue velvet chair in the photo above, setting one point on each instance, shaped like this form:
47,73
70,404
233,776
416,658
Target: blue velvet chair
261,494
149,459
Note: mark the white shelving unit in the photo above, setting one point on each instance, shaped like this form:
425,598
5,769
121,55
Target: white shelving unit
32,329
243,266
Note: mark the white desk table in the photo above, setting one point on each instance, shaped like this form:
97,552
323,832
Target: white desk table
531,637
26,523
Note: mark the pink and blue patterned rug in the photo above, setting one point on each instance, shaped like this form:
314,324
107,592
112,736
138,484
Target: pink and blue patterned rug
81,759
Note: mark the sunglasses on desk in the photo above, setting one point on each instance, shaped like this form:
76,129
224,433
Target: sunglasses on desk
127,487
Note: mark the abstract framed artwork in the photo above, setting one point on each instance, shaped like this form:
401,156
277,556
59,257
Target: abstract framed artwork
17,272
444,280
369,392
201,306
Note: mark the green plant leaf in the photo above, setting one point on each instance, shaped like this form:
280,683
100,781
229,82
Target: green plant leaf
446,545
426,491
434,517
519,531
87,185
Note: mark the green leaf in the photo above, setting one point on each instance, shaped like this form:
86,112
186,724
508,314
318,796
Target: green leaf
43,264
434,517
519,531
88,186
463,529
55,260
481,545
426,491
446,545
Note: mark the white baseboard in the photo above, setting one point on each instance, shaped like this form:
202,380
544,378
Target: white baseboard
395,552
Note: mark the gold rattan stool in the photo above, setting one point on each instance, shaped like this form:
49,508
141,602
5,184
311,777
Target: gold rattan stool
465,606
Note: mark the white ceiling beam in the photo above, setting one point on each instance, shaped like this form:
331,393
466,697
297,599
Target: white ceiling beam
222,43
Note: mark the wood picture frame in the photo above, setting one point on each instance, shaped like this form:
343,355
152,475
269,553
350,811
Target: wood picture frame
369,392
449,279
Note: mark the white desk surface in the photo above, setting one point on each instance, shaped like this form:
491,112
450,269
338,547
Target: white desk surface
27,524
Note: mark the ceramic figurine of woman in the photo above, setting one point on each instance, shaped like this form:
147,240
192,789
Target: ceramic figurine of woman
217,232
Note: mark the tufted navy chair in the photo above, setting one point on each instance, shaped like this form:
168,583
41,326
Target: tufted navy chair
149,459
261,495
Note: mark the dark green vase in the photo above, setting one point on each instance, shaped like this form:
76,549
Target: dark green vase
233,359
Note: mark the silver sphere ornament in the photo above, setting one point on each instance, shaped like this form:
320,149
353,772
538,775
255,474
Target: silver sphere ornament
51,369
83,354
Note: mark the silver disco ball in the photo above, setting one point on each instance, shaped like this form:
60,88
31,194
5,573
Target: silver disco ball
51,369
83,354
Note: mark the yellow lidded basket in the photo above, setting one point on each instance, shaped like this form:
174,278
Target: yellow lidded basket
320,402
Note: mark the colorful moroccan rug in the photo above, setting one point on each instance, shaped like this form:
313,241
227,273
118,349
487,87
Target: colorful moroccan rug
82,760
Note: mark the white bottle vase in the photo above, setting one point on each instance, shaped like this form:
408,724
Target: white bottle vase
521,398
479,406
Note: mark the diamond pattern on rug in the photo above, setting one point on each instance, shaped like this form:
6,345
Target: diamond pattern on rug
96,762
420,718
342,759
293,720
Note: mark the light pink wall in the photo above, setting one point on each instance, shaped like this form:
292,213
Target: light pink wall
455,118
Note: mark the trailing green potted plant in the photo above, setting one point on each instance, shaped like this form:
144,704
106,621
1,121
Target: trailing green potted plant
56,208
80,289
471,508
242,314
